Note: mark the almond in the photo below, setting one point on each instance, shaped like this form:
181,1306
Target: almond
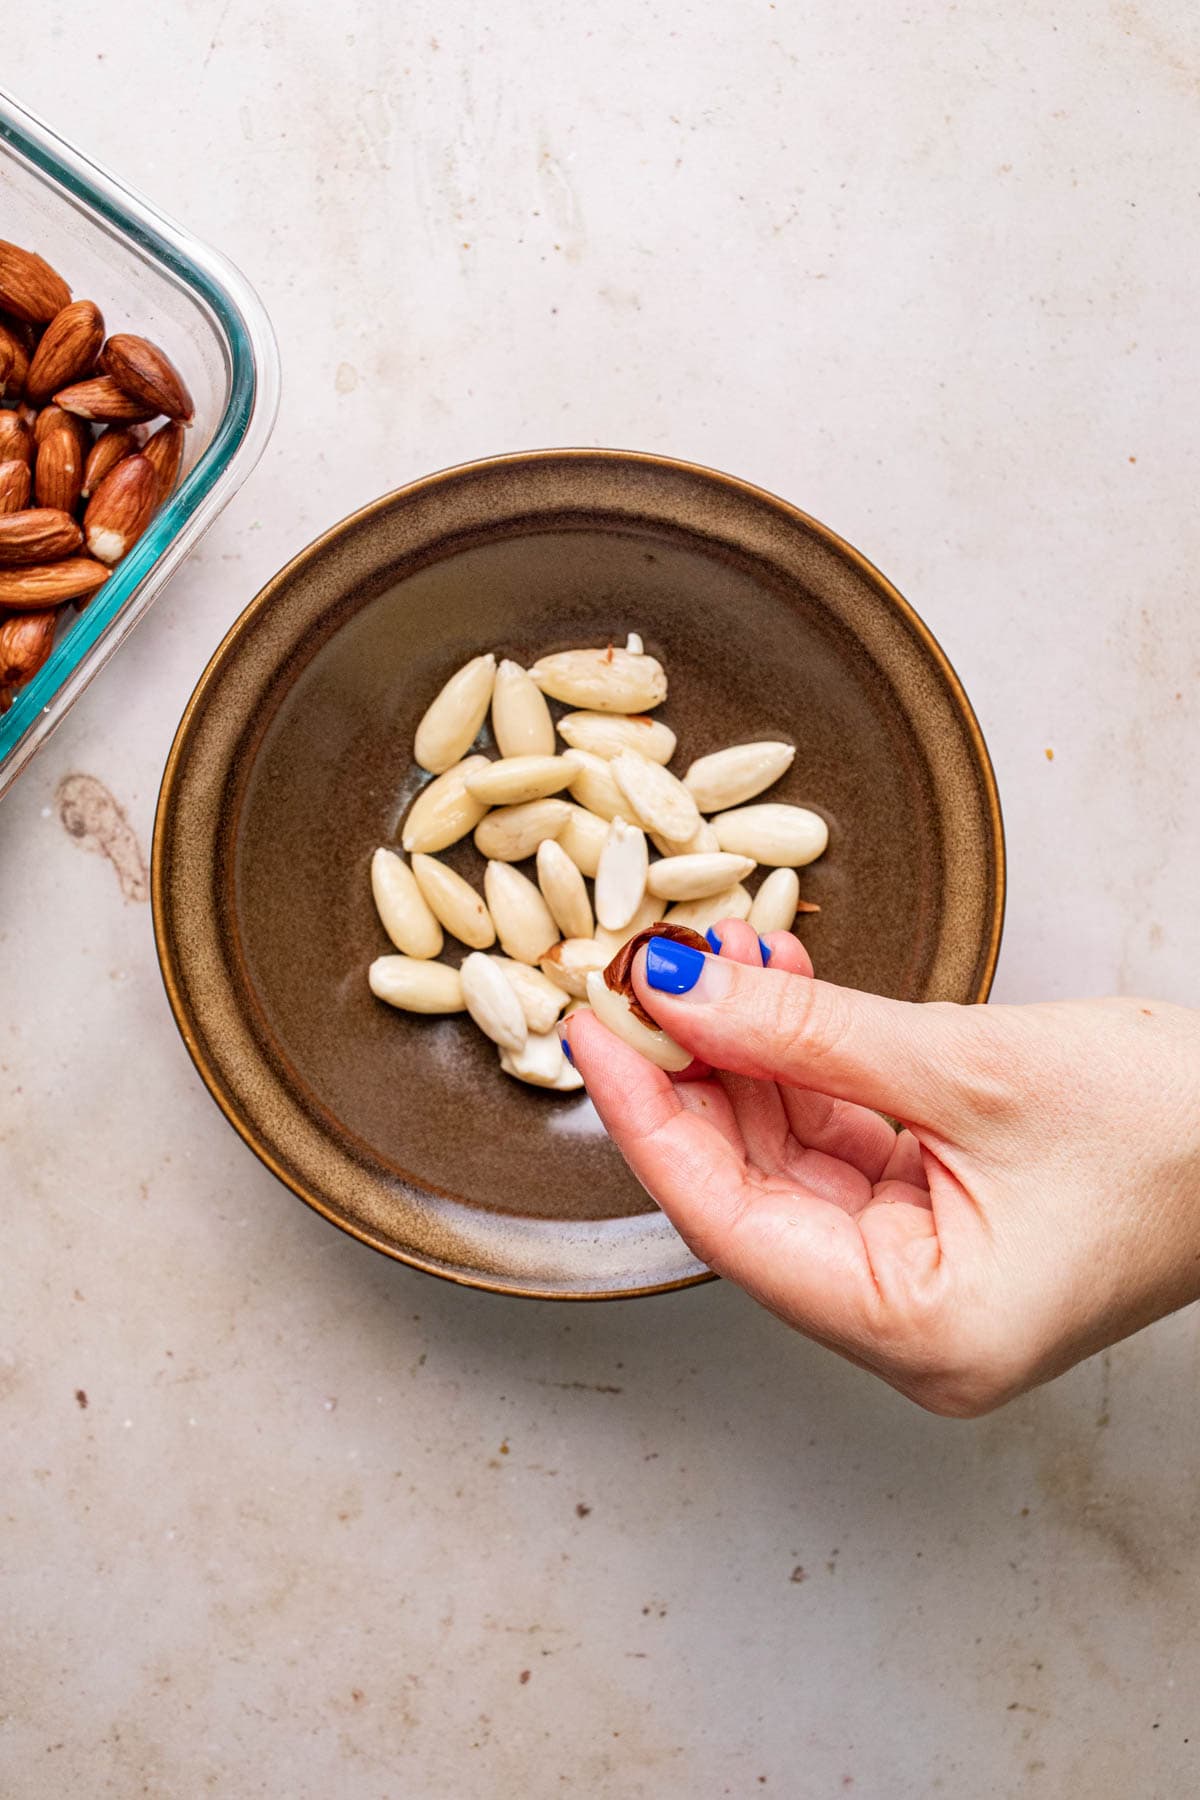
515,779
37,535
67,350
521,722
49,584
492,1002
53,418
776,902
14,361
781,836
114,444
164,449
522,918
607,734
650,909
541,999
511,833
582,836
102,399
542,1064
697,877
15,482
450,723
58,472
659,799
454,902
732,776
16,439
569,963
592,784
403,910
141,369
621,877
120,509
25,642
610,680
29,287
443,812
416,985
734,903
564,890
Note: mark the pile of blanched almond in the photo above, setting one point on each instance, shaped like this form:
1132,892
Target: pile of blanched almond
593,813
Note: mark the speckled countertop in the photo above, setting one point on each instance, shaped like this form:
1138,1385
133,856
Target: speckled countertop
282,1519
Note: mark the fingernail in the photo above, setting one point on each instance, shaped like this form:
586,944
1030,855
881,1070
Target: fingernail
766,951
714,941
562,1038
672,967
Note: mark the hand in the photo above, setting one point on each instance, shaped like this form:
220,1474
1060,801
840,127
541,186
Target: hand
1041,1201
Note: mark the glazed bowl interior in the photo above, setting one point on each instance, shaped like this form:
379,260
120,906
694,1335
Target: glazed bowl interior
294,762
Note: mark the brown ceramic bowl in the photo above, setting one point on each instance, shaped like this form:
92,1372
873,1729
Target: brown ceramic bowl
293,761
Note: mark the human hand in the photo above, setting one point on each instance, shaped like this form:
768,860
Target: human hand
1042,1200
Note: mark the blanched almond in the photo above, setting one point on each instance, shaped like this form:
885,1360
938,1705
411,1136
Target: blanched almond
610,680
520,915
634,644
582,836
416,985
592,784
492,1002
511,833
451,722
454,902
612,1009
703,839
775,903
607,734
570,962
780,836
621,877
521,722
443,812
697,877
730,776
659,799
515,779
648,913
734,903
563,890
403,911
542,1064
541,999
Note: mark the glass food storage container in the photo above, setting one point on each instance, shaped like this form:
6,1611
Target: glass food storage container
149,276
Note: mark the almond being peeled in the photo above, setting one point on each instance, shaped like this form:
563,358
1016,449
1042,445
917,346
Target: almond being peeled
139,368
29,287
66,351
120,509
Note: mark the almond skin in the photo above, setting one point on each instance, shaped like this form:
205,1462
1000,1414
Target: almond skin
26,640
16,439
112,446
37,535
15,482
120,509
58,471
14,360
619,974
29,287
102,399
50,584
53,418
67,351
164,449
140,368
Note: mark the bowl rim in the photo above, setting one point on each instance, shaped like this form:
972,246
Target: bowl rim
312,551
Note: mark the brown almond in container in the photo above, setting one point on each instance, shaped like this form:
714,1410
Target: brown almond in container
29,287
15,483
141,369
14,360
26,640
120,509
50,584
58,471
40,534
113,445
164,450
16,439
101,399
68,350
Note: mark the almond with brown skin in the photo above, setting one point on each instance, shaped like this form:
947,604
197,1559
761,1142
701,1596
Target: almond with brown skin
15,481
58,471
26,640
111,447
29,287
50,584
14,357
140,368
103,400
164,449
120,509
619,974
67,351
40,534
16,439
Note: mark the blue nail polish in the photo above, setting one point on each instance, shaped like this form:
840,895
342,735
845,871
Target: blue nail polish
672,967
766,951
714,941
566,1050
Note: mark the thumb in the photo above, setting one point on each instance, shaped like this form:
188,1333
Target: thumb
892,1055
